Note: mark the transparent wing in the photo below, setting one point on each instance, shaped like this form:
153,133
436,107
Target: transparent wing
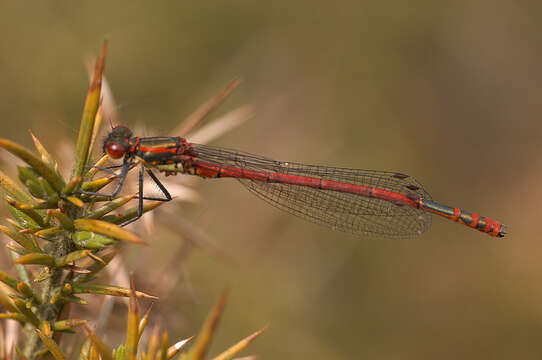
340,211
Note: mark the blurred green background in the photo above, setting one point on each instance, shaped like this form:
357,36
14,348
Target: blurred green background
448,92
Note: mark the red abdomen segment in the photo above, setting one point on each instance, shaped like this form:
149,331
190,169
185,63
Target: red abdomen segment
480,223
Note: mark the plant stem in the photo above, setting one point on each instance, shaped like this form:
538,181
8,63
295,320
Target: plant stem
49,312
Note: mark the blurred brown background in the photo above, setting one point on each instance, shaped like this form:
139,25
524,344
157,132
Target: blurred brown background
448,92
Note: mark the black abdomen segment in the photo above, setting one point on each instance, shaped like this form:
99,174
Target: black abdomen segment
473,220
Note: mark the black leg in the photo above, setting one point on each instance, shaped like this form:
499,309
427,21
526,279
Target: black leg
139,198
102,167
122,176
107,169
160,186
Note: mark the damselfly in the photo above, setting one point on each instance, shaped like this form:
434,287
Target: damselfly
361,202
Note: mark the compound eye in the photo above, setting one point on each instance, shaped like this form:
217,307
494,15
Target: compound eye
115,150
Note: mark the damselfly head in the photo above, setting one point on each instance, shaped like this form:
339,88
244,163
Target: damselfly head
117,142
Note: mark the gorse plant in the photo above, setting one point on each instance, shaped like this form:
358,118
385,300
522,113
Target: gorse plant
69,236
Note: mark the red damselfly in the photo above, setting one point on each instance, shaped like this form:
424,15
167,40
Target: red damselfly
361,202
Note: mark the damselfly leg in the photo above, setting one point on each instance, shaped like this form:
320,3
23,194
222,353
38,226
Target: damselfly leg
125,167
167,195
107,169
